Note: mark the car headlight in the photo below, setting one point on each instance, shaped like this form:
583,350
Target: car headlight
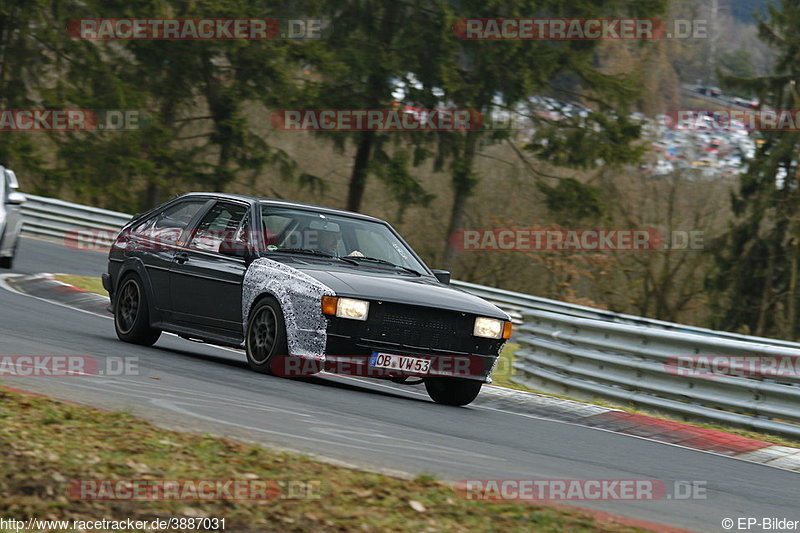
351,308
491,328
345,307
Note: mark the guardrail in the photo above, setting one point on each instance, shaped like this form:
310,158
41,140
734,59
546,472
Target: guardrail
641,365
68,222
580,351
515,302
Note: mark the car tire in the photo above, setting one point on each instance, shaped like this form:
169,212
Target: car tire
8,262
452,391
132,314
265,342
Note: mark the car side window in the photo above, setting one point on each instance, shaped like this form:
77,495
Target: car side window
168,225
224,220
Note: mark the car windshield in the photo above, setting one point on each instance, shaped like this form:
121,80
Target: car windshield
363,242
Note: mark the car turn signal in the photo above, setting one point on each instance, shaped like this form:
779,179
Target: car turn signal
329,305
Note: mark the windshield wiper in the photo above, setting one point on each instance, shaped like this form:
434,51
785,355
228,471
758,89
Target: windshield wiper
351,259
319,253
383,262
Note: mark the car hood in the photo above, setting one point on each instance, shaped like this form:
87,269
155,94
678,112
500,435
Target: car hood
400,288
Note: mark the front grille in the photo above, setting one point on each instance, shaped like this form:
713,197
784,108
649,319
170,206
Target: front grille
421,327
411,329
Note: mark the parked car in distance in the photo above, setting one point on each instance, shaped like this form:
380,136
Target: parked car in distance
10,216
302,289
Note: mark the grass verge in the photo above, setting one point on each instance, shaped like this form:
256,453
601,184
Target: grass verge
85,283
47,444
504,370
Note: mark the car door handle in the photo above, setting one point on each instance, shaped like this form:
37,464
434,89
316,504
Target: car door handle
182,257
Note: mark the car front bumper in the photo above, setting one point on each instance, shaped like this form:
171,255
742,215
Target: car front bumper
443,338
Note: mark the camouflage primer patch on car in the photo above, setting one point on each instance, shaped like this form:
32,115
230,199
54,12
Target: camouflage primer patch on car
299,296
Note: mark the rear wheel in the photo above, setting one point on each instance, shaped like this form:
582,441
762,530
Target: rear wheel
266,337
452,391
132,315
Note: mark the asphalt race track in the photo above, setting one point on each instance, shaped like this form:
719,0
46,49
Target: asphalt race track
185,385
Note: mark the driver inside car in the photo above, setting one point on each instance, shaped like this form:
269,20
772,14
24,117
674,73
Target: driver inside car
328,242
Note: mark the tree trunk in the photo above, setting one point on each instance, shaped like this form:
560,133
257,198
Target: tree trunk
222,112
151,195
358,179
761,324
464,183
222,176
791,305
153,191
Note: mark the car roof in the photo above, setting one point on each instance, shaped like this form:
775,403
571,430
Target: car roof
282,203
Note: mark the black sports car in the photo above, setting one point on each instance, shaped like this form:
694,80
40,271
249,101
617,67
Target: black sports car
303,289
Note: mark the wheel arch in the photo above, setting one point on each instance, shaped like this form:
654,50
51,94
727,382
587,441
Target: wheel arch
299,298
135,266
258,299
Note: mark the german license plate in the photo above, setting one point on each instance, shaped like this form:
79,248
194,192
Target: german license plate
403,363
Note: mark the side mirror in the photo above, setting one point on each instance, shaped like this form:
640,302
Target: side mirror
443,276
235,248
16,198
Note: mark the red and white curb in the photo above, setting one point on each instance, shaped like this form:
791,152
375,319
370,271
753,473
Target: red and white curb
44,286
648,427
777,456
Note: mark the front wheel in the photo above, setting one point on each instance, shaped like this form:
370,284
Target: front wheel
8,262
131,314
452,391
265,343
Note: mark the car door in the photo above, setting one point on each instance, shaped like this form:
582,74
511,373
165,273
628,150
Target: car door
155,242
205,285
